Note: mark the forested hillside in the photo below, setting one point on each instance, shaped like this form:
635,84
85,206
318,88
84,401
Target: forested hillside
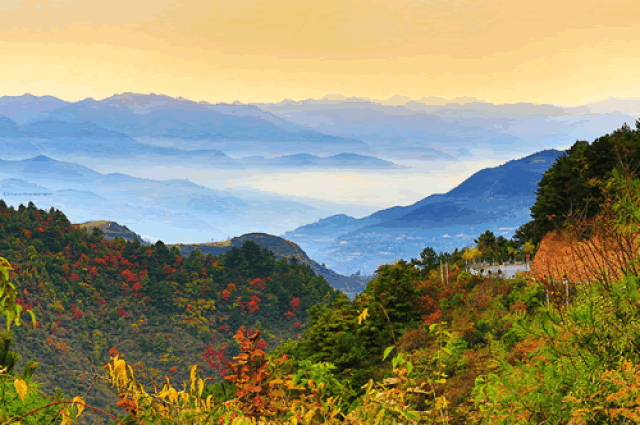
94,298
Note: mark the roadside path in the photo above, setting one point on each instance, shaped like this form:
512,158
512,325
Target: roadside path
509,270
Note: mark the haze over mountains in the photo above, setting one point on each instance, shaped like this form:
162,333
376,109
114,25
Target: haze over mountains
189,172
181,207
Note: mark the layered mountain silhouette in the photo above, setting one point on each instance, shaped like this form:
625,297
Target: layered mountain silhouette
62,138
182,209
497,199
163,117
343,160
438,129
161,128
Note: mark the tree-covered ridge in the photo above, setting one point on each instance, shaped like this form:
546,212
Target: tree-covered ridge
570,185
94,297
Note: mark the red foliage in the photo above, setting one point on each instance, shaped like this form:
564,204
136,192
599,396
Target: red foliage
129,276
168,269
215,359
225,295
295,303
432,318
428,304
519,306
297,325
289,314
258,283
254,304
78,314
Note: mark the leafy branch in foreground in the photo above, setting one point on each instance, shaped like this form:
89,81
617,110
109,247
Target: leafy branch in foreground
23,403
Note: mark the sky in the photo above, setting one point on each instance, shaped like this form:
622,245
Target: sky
564,52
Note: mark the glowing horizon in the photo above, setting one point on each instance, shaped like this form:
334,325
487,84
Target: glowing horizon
562,52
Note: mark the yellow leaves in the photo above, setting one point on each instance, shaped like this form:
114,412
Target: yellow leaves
21,388
118,372
441,403
173,395
193,377
209,397
363,315
310,415
65,418
200,387
80,404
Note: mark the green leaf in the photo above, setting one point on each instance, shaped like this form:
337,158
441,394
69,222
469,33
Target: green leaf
387,351
33,318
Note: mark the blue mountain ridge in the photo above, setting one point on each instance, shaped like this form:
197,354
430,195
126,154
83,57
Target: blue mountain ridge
497,198
92,128
160,116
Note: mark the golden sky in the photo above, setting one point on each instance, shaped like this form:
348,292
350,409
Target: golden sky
566,52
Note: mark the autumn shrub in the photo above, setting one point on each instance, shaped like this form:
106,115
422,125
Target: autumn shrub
562,355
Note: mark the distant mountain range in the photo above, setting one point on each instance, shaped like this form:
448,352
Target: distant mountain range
334,133
153,127
438,129
112,127
343,160
497,199
148,118
180,207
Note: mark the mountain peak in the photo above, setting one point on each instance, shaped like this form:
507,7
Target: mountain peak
41,158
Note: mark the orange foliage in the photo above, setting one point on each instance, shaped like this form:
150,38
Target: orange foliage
557,256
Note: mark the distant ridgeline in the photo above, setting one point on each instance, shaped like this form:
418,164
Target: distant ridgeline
112,230
281,248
